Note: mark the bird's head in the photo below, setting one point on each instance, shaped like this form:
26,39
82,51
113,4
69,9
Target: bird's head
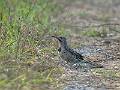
62,41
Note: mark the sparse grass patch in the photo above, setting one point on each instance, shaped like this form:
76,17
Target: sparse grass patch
104,18
83,14
91,33
94,32
25,29
107,73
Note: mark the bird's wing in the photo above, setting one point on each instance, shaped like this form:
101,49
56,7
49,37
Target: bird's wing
94,53
78,55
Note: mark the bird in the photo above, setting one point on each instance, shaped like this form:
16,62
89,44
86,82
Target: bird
73,56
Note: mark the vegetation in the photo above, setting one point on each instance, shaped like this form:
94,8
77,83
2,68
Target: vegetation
25,29
95,32
28,55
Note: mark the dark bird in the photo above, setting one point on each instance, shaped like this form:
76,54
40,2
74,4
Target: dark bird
72,56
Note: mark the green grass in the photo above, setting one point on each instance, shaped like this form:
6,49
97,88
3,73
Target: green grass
83,14
25,30
95,32
25,25
107,73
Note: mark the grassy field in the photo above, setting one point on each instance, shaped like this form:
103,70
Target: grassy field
25,27
28,55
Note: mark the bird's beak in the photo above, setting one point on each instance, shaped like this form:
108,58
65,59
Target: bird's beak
56,37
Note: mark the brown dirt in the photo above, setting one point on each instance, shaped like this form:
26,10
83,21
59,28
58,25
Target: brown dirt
77,14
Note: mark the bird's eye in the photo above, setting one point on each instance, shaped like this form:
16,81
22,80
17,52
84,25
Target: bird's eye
59,49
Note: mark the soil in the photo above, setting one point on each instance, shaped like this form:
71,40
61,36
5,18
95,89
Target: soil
75,17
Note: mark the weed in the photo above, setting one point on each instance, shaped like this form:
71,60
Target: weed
95,32
24,24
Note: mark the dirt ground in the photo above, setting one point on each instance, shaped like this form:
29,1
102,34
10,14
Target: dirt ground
75,16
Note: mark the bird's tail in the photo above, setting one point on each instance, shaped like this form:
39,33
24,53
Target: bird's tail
93,64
